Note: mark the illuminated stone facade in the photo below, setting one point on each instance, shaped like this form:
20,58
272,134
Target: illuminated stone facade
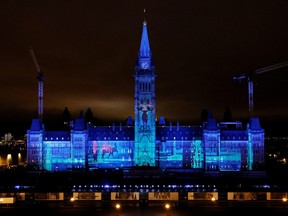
211,146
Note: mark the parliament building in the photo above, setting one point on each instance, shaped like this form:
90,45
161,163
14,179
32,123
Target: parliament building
145,141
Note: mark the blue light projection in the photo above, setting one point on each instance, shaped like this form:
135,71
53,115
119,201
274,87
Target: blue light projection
176,147
197,154
211,146
181,154
144,105
110,154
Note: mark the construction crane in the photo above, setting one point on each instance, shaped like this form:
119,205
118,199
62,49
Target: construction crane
40,78
250,77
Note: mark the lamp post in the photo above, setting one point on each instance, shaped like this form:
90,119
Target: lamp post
117,207
167,207
72,201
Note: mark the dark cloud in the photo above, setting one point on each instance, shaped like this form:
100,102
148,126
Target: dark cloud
87,51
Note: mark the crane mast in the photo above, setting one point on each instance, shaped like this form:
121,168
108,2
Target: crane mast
40,78
250,76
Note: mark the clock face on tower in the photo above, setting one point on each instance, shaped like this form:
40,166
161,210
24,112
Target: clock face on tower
144,65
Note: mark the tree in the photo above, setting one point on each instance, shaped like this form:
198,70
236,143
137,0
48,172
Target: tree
227,114
66,118
204,115
89,116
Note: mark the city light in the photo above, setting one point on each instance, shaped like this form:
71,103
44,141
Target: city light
117,206
19,158
9,158
167,206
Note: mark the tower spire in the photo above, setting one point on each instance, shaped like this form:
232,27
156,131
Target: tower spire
145,105
144,15
144,51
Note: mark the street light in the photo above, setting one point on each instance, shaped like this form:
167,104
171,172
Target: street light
117,207
284,199
167,207
19,158
72,199
9,158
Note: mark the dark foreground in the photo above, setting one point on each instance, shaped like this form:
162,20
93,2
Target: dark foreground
222,210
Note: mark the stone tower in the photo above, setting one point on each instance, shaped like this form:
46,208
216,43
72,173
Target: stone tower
145,105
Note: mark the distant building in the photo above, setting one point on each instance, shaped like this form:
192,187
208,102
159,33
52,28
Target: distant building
142,142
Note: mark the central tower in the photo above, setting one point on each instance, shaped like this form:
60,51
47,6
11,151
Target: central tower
144,105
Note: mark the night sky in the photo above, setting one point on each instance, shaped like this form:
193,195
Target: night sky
87,51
